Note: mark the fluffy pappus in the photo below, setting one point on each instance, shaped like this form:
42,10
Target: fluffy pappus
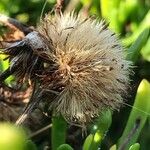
90,72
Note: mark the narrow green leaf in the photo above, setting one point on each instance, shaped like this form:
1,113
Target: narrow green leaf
88,142
134,50
135,146
146,51
145,23
59,127
114,147
131,7
64,147
99,131
139,114
104,121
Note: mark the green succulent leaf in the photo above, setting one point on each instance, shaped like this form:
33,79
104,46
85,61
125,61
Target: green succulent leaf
59,127
88,142
135,48
135,146
138,116
114,147
98,131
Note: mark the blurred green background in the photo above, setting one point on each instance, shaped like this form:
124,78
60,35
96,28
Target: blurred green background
128,18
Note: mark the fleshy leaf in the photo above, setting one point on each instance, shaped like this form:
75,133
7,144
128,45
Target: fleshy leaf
135,146
58,131
138,116
135,48
98,132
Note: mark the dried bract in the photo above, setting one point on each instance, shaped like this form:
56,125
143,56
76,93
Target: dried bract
24,56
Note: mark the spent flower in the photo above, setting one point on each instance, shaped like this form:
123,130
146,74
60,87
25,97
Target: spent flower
90,73
77,58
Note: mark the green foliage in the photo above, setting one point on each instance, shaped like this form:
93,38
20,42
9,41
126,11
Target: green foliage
88,142
98,131
12,137
3,66
146,51
135,146
134,50
131,20
30,145
140,112
58,131
28,11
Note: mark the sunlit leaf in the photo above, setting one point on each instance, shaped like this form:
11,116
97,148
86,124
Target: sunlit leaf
98,132
12,137
135,146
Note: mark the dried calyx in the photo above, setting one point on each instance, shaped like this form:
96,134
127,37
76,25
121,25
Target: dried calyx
77,58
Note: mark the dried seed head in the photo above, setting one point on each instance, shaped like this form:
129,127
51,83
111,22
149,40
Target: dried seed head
91,69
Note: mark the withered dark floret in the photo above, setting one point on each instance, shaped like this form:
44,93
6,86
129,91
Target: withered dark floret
25,56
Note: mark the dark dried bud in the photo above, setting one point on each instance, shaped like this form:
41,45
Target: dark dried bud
24,56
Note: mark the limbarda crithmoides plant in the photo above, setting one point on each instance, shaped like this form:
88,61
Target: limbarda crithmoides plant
75,65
